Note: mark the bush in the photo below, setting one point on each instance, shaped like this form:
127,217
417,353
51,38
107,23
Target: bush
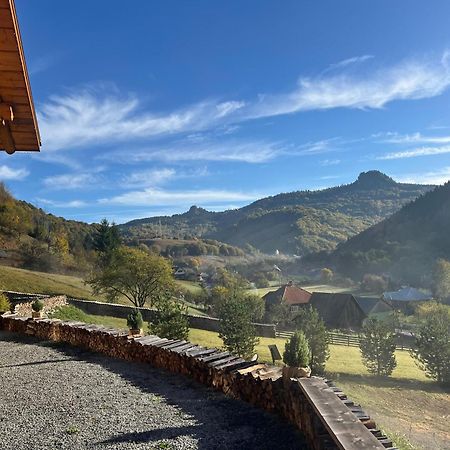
296,352
5,305
134,320
69,312
170,321
377,345
37,306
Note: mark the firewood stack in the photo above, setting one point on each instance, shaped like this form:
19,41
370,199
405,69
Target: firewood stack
261,385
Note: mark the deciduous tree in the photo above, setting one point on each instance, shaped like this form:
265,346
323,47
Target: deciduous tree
138,276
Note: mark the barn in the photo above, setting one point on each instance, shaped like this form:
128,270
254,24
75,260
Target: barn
338,311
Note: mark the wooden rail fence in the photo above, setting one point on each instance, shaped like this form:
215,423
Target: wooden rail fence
349,340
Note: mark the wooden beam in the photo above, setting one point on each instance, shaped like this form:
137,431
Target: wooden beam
6,138
6,112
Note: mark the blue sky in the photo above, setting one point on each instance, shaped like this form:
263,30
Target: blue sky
148,107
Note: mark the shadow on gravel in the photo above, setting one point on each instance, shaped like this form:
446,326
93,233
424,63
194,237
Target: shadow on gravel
219,421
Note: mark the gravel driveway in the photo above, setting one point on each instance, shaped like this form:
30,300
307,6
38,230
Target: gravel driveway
54,396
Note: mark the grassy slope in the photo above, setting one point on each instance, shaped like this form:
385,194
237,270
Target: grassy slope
22,280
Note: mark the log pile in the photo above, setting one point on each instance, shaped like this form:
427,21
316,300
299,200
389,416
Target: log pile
262,385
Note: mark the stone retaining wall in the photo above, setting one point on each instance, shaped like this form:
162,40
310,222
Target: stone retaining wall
122,312
325,416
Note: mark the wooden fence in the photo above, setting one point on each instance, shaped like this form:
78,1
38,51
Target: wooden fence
349,340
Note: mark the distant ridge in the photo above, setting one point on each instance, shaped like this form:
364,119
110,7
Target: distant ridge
297,222
406,244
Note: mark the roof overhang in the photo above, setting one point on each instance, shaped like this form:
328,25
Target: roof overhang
18,124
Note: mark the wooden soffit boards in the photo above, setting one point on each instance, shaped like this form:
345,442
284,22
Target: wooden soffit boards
18,125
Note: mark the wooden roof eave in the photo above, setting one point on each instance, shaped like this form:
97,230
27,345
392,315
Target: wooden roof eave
18,123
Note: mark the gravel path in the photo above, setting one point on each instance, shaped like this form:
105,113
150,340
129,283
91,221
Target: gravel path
54,396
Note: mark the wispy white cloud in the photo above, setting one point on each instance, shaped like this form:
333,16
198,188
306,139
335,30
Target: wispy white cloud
9,173
151,177
413,138
62,204
91,116
415,152
71,181
158,177
348,62
241,151
408,80
434,177
330,162
159,197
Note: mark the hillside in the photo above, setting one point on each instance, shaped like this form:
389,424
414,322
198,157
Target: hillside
298,222
405,245
32,238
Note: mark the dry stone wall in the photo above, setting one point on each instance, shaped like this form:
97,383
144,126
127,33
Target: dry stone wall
122,312
325,416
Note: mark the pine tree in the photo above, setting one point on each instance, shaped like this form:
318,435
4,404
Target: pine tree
432,346
170,320
377,345
236,330
296,350
312,325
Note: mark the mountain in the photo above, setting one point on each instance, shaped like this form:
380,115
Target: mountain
406,245
298,222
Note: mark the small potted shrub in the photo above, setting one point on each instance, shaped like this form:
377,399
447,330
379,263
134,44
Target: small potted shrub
135,323
37,306
296,356
5,306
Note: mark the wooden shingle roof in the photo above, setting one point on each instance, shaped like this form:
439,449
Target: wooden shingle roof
18,125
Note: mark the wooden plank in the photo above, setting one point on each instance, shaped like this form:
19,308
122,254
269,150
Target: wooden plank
6,20
4,3
8,41
10,61
27,148
344,427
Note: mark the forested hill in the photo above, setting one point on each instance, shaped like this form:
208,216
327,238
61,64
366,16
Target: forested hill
32,238
405,245
298,222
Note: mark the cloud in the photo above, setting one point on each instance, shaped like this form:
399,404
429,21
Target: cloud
408,80
98,116
240,151
71,181
415,152
414,138
330,162
152,177
92,117
348,62
436,177
8,173
61,204
158,197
